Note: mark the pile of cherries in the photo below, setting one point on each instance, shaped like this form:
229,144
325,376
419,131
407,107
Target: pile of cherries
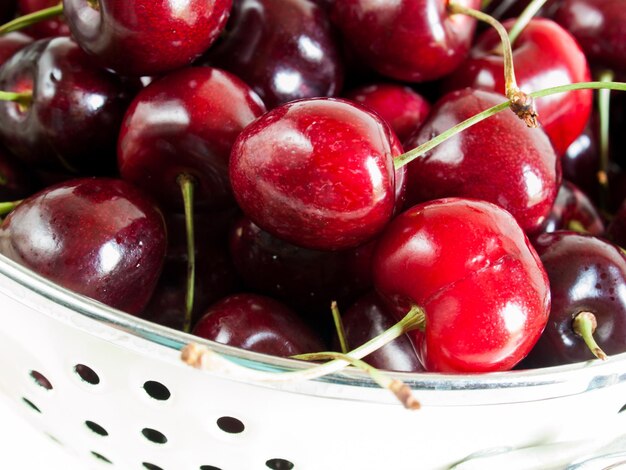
232,168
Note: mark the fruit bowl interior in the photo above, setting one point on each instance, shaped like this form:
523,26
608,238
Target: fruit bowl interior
112,389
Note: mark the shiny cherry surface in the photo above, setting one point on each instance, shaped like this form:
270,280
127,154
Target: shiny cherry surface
469,265
98,237
145,37
76,110
257,323
317,173
544,55
586,274
186,123
284,49
499,159
409,40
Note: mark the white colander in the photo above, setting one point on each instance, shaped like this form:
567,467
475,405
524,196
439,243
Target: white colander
112,390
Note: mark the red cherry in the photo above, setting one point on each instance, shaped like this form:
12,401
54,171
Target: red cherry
410,40
52,27
99,237
11,43
545,55
186,123
499,159
403,108
257,323
469,265
317,173
145,37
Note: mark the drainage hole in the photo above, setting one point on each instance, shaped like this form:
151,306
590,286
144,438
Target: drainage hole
623,408
31,404
279,464
100,457
230,425
95,427
156,390
87,374
209,467
41,380
151,466
154,436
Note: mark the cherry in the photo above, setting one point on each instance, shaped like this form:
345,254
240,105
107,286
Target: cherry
573,210
545,55
305,279
16,181
403,108
587,274
43,29
11,43
98,237
283,49
215,274
145,37
469,266
185,124
317,173
368,317
72,110
598,26
499,160
257,323
411,40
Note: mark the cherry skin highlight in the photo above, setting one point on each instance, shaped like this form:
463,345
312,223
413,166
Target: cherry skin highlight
470,267
317,173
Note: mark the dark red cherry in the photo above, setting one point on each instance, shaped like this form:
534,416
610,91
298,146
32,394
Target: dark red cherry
186,123
598,26
98,237
52,27
317,173
403,108
16,180
11,43
145,37
368,317
545,55
76,110
283,49
409,40
257,323
215,274
587,274
305,279
499,159
573,210
469,266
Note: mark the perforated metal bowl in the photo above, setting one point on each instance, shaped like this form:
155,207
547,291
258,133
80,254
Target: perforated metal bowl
112,389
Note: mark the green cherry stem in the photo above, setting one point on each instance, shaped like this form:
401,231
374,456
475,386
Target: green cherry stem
24,98
401,390
7,207
201,357
524,18
584,325
520,103
604,115
341,332
187,185
420,150
32,18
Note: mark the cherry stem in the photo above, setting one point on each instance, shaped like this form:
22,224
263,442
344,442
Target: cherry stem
32,18
524,18
521,103
401,390
604,114
584,325
23,98
576,226
7,207
187,185
204,358
420,150
341,332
